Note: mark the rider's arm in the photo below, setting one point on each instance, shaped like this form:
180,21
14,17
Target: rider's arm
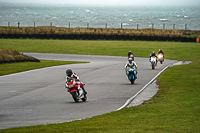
125,65
67,78
135,65
76,76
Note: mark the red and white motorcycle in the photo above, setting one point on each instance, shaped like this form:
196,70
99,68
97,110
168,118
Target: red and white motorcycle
74,88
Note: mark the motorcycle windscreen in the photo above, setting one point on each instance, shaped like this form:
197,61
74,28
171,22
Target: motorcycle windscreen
69,80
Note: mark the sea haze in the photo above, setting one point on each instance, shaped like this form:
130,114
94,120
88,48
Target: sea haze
98,17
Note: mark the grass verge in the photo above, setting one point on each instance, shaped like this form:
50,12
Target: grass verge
9,68
175,108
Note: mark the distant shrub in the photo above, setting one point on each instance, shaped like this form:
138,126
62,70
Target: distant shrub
98,31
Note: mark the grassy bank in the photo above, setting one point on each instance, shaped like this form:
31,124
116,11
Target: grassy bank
175,108
11,56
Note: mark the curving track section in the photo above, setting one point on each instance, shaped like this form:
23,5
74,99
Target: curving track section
39,97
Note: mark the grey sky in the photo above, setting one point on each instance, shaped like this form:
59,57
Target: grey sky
111,2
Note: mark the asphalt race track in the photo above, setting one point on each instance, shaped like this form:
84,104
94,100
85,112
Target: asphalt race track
39,96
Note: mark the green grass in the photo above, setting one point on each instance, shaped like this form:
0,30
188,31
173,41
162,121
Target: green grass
9,68
173,50
175,108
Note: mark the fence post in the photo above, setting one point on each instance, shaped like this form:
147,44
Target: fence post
34,26
173,26
152,26
137,26
51,27
18,24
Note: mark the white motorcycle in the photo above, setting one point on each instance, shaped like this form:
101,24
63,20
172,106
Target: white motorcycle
161,58
153,62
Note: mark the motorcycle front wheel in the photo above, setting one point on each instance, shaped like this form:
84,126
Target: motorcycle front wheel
85,98
153,66
75,96
131,79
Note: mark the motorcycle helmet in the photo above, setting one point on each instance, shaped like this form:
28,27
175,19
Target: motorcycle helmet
69,72
131,56
153,52
130,60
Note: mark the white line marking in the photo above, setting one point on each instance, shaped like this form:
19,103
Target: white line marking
131,99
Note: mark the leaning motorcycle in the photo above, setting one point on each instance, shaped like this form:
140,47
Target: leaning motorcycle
161,58
75,90
131,73
153,62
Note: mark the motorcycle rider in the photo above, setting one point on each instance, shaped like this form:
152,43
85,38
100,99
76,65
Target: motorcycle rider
130,55
153,54
70,74
130,63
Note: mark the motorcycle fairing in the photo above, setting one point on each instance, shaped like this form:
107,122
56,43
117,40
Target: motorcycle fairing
71,85
160,56
153,59
131,73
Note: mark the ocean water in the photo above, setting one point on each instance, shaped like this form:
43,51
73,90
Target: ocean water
100,17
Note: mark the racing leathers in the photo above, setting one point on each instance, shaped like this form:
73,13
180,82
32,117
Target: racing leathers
73,76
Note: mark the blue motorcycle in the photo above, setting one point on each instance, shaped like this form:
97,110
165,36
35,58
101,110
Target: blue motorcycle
131,73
